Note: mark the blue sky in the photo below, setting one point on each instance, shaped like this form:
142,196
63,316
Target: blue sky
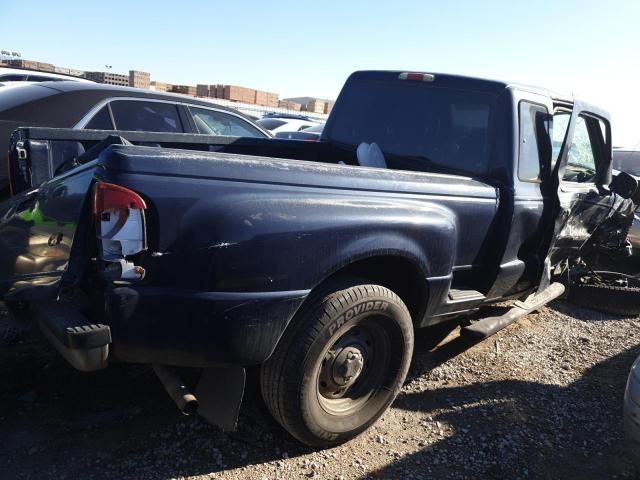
308,48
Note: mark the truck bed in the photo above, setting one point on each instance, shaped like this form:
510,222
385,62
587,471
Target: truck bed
237,241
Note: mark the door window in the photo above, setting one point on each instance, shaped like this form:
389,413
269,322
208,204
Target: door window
559,130
101,120
533,122
146,116
581,162
212,122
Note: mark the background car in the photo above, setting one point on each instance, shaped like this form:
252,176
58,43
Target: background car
88,105
632,412
276,123
311,134
629,161
10,75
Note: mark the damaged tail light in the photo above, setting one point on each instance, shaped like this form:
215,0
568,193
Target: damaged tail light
120,226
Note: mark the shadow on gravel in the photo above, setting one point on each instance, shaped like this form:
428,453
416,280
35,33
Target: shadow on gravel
58,423
552,429
582,313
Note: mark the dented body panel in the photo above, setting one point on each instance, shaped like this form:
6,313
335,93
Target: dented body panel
257,234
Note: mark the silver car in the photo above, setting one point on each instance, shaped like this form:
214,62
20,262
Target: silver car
632,412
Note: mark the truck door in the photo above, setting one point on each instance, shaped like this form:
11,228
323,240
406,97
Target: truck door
580,171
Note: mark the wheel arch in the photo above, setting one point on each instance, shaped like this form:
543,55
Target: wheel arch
399,272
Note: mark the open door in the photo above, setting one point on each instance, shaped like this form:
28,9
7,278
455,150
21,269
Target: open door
579,177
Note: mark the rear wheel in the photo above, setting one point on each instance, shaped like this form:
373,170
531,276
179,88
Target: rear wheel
340,364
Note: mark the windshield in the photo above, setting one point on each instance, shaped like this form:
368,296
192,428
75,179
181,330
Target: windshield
270,123
446,128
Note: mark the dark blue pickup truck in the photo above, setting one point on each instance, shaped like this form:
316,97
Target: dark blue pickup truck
428,197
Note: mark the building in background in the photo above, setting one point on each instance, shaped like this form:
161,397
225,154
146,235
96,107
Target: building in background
69,71
227,93
290,105
161,86
108,78
267,99
328,105
31,65
139,79
312,104
184,89
203,91
236,93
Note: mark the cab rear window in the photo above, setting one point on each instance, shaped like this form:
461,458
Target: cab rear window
418,126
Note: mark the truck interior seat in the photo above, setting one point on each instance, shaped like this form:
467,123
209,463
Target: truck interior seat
370,155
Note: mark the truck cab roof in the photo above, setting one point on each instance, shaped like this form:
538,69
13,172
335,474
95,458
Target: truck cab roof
461,81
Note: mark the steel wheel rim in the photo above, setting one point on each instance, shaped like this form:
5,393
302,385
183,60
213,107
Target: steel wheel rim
370,339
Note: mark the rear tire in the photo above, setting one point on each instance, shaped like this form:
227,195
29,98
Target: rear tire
340,364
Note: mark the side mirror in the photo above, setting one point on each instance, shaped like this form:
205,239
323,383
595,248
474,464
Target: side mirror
624,185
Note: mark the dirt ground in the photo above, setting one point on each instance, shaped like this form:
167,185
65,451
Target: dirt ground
541,399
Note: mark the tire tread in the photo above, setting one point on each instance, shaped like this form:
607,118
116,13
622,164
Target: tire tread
279,388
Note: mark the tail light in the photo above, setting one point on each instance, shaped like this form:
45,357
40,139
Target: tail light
120,225
107,196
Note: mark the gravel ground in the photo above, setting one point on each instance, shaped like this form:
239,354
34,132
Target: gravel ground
541,399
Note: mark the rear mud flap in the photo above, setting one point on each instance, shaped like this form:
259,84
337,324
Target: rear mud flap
219,393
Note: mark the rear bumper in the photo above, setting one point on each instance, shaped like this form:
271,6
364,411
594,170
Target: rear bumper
197,329
83,344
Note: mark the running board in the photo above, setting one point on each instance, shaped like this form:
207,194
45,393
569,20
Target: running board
486,327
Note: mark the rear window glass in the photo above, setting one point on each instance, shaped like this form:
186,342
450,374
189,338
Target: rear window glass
101,120
40,78
270,123
13,78
417,126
